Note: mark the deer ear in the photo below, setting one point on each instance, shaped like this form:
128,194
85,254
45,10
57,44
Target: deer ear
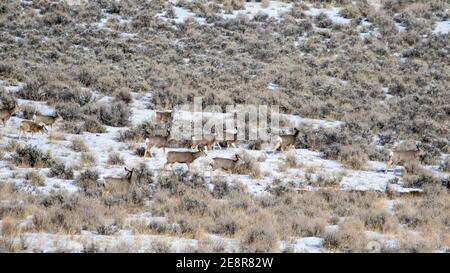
126,169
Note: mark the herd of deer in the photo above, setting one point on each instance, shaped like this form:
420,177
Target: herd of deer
284,141
37,125
199,143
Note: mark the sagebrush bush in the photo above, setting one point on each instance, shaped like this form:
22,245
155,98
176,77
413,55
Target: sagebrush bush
113,114
248,165
28,111
69,111
353,157
35,178
349,237
60,171
88,182
78,145
115,159
7,100
92,125
88,159
123,94
445,165
31,156
259,239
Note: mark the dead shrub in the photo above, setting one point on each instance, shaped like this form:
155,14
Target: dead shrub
115,159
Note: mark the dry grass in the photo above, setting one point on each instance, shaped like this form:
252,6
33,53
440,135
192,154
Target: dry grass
115,159
88,159
78,145
35,178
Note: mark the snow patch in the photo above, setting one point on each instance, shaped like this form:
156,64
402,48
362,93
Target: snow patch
332,13
442,28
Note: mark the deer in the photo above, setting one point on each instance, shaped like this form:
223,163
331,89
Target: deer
46,119
156,141
209,141
184,157
5,114
121,185
30,126
284,141
163,116
226,164
403,157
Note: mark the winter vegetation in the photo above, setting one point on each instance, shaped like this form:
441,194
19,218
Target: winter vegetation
89,93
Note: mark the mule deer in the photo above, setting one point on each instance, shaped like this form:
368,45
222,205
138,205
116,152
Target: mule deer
402,157
209,141
5,114
156,141
119,185
30,126
284,141
184,157
163,116
226,164
46,119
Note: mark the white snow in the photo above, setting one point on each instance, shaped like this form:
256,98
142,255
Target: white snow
442,27
304,245
274,9
332,13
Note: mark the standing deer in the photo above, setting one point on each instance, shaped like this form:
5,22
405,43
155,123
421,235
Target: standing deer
284,141
209,141
226,164
5,114
46,119
156,141
119,185
30,126
184,157
402,157
163,116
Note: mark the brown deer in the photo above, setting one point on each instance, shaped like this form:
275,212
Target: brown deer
119,185
5,114
184,157
285,141
30,126
46,119
226,164
402,157
208,141
163,116
156,141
